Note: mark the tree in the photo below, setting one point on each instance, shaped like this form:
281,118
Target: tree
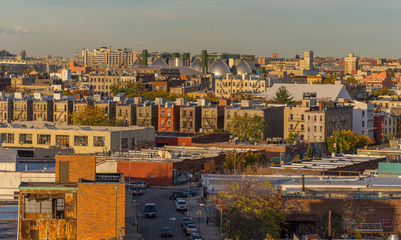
252,210
93,116
347,141
239,162
330,80
350,80
283,96
309,152
382,91
210,166
247,128
292,137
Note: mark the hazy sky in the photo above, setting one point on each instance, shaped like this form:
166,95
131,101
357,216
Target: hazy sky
369,28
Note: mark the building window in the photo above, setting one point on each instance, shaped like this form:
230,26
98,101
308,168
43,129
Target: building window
80,140
363,113
314,128
302,127
98,141
291,127
25,138
308,118
168,113
184,113
63,140
124,143
44,139
314,118
7,137
162,114
302,117
363,123
321,128
168,123
321,118
291,116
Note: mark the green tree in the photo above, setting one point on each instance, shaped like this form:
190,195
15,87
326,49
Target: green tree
347,141
350,80
93,116
252,210
330,80
382,91
240,161
309,152
247,128
292,137
283,96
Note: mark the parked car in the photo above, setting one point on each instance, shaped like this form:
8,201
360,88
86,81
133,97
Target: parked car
137,191
150,210
176,194
195,236
190,228
181,205
185,220
166,232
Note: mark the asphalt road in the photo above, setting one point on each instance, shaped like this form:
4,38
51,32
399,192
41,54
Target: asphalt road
166,211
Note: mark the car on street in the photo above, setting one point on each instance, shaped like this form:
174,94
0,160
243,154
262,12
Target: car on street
195,236
150,210
190,228
166,232
185,220
137,191
176,194
181,205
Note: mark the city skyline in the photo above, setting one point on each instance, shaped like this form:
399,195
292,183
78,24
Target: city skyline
287,27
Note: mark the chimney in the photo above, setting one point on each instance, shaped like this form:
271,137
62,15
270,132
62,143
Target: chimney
320,106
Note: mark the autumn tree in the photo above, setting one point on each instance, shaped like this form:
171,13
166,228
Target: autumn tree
350,80
292,137
283,96
247,128
240,161
93,116
252,210
330,80
382,91
210,167
347,141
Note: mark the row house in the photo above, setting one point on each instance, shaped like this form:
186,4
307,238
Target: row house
147,115
169,118
190,118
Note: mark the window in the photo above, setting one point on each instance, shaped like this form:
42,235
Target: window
363,123
7,137
63,140
291,127
205,114
321,128
308,118
302,127
98,141
314,118
44,139
314,128
291,116
190,114
321,118
168,113
168,123
80,140
162,114
363,113
25,138
184,113
124,143
302,117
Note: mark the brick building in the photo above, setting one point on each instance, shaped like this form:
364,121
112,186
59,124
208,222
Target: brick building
79,205
169,118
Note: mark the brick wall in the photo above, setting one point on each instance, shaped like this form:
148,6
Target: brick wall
97,212
157,173
79,167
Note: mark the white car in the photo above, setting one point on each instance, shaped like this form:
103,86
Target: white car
190,228
181,205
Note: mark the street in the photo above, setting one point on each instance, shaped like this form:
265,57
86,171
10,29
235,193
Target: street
168,216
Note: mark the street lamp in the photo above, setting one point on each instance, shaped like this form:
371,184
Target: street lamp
151,225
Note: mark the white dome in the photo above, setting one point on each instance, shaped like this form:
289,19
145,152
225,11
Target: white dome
219,68
243,67
196,65
159,63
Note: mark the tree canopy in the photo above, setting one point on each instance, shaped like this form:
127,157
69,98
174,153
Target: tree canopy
330,80
347,141
239,162
247,128
252,210
283,96
350,80
93,116
382,91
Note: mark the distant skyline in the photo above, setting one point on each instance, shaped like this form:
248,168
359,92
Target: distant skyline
369,28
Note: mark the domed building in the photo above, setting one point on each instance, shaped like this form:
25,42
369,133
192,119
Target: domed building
243,68
159,63
219,68
135,64
196,65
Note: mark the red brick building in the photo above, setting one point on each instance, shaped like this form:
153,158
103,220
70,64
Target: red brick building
378,80
379,128
169,118
79,205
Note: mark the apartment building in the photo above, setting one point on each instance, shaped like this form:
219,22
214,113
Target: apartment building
212,118
147,115
190,118
108,107
62,108
6,109
321,123
169,118
42,108
105,56
224,87
126,112
350,64
102,83
23,108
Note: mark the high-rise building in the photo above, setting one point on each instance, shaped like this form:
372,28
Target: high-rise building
307,63
350,64
105,55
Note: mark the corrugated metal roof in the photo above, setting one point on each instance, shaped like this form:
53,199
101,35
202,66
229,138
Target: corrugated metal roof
8,155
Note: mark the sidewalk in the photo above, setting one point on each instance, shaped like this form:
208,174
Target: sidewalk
210,231
132,231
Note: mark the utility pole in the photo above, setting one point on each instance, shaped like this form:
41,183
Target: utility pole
329,227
